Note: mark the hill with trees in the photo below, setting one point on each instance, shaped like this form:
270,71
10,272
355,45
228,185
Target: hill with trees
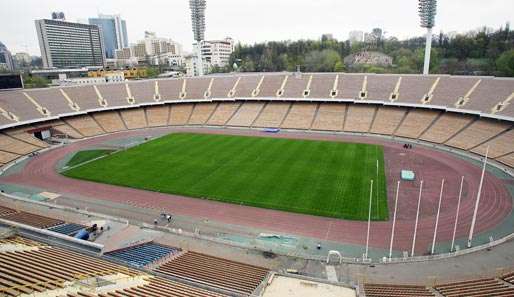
480,52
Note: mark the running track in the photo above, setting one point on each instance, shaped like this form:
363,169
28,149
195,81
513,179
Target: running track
429,165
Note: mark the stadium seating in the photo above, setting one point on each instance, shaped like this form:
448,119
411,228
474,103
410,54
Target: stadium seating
143,91
300,116
27,137
15,146
413,89
217,272
246,86
507,159
52,99
321,85
31,219
6,157
16,103
296,86
110,121
416,122
221,86
67,229
157,115
489,93
450,89
383,290
387,120
476,133
134,118
498,146
272,115
84,96
201,113
246,114
6,211
143,254
380,87
330,117
197,88
29,267
445,127
179,114
270,85
350,86
359,118
509,277
64,129
223,113
170,89
475,288
85,125
115,94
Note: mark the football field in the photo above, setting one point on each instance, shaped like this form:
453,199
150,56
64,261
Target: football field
311,177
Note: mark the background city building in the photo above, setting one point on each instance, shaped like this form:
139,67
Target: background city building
6,60
114,31
217,52
65,45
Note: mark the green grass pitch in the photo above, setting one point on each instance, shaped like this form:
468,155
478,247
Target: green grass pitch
311,177
84,156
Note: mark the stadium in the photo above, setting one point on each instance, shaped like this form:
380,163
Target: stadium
275,163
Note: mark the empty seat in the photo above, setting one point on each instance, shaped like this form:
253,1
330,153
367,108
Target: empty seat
272,115
134,118
85,125
201,113
223,113
416,122
300,116
157,115
387,120
477,133
330,117
110,121
246,114
359,117
143,254
445,127
67,229
384,290
180,113
217,272
33,220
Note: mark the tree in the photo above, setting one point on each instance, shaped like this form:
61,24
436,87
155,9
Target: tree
322,61
35,82
505,63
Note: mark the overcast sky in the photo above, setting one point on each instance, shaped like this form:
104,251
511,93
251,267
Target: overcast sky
250,21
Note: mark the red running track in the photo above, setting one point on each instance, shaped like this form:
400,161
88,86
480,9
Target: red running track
429,165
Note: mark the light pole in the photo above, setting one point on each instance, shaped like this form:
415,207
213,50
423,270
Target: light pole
427,10
198,21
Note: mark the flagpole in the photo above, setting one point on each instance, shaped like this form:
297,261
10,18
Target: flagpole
369,219
417,217
457,214
394,221
437,218
472,229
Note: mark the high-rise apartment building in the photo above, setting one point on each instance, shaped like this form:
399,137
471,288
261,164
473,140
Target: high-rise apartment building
114,31
217,52
70,45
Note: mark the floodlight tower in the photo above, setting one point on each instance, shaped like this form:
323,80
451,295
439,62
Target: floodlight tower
198,20
427,11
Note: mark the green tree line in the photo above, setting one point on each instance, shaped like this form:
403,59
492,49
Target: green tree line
480,52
